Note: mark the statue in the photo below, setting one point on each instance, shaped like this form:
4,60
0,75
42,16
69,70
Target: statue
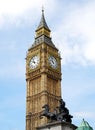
47,114
64,112
60,113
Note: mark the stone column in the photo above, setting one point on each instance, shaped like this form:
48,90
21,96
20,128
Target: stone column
28,121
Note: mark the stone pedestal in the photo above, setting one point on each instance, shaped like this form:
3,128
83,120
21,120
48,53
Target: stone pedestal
57,126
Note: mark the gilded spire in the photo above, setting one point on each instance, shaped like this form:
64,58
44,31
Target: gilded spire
43,23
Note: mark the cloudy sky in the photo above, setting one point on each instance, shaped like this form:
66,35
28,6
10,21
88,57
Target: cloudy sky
72,23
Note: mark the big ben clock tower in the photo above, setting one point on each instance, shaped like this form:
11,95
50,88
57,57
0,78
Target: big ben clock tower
43,76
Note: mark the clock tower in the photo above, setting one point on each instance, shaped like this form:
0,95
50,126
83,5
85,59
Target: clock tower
43,76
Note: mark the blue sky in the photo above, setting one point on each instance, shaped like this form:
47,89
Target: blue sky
72,25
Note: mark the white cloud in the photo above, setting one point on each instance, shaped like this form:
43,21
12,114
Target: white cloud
18,7
76,33
19,11
85,114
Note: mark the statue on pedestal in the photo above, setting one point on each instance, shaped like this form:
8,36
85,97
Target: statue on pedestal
60,113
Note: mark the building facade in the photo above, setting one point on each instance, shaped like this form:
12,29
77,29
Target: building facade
43,76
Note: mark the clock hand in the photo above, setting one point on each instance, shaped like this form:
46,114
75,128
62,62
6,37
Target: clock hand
52,61
34,61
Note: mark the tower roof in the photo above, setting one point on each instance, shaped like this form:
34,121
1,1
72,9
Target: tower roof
43,23
43,33
84,126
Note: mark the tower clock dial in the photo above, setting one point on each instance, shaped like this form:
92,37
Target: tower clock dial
52,62
34,62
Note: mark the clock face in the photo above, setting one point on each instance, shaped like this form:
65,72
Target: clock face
34,62
53,62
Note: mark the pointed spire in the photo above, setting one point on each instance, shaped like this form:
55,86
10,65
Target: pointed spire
84,126
43,33
43,23
42,10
